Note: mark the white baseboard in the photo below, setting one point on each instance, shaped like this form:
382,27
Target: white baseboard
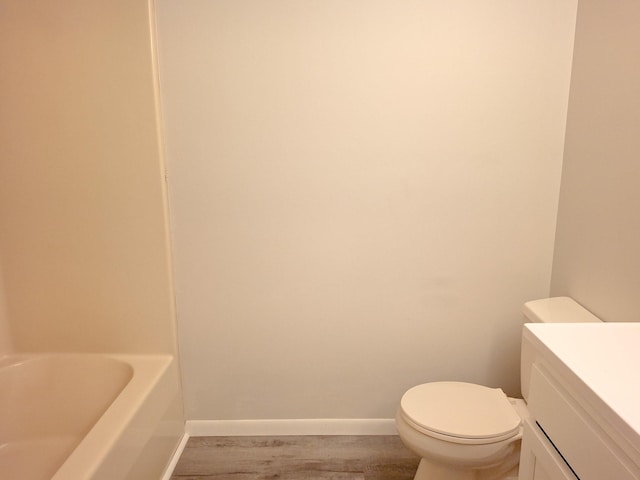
340,426
174,459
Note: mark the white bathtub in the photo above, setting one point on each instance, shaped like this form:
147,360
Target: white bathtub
87,417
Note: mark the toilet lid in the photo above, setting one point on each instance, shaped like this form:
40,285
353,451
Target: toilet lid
462,410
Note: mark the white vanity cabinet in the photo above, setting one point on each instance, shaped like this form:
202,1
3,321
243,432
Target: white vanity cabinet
584,402
539,459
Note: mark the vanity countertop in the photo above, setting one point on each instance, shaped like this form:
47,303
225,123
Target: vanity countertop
600,362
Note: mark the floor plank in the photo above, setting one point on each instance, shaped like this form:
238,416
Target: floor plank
296,457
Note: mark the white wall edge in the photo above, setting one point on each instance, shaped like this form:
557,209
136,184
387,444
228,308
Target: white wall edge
176,456
330,426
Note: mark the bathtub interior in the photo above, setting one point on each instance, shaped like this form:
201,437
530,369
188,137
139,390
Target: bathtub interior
83,416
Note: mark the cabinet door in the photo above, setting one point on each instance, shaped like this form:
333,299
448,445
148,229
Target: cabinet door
538,459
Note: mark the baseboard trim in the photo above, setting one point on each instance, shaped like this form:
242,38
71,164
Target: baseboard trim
330,426
176,456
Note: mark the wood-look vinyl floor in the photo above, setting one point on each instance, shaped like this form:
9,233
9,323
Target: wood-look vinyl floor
296,458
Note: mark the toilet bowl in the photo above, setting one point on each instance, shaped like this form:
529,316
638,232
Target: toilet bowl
462,431
465,431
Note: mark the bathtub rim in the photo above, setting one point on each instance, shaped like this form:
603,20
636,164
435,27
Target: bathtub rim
153,375
102,441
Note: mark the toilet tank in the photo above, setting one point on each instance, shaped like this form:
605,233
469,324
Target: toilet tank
548,310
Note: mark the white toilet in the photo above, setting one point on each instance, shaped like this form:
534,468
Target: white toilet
465,431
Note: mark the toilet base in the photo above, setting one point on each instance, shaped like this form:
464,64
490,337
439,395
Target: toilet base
433,471
428,470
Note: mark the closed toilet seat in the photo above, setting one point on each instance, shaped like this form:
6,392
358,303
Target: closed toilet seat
459,412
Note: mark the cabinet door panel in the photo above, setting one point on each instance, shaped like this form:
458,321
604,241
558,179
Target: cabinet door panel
592,454
539,460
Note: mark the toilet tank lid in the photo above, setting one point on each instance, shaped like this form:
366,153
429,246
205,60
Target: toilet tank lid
557,310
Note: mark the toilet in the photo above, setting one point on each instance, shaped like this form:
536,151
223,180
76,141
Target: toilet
464,431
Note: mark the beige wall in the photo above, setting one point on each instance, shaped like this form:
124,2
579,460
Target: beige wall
5,332
83,234
597,255
363,194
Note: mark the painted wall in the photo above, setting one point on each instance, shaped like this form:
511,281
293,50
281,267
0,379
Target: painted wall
5,332
363,193
597,254
83,233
